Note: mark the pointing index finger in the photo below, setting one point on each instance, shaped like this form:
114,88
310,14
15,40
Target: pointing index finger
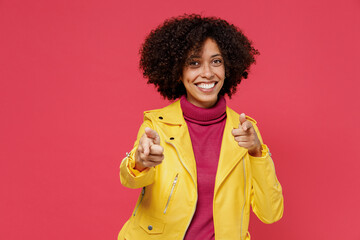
150,133
242,118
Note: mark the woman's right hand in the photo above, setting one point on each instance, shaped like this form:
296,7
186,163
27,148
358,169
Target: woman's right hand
149,152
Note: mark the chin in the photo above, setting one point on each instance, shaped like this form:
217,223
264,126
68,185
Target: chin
209,102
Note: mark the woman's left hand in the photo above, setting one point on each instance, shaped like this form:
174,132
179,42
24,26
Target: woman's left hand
245,135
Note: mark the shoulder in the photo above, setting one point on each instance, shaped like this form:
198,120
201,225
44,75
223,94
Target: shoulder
172,113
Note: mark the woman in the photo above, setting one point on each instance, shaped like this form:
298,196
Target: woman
200,164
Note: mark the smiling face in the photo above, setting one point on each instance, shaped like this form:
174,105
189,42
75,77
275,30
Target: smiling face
203,75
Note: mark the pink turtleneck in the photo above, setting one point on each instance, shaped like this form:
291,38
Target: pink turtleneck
206,127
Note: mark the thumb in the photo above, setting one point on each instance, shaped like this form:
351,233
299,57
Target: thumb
146,147
150,133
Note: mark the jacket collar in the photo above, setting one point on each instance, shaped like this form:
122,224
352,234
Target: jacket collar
171,114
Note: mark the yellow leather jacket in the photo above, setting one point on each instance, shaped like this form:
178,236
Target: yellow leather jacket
168,198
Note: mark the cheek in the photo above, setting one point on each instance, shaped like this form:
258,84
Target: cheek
223,72
222,76
190,75
220,72
190,78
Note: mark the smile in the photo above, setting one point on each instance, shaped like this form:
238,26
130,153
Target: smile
206,85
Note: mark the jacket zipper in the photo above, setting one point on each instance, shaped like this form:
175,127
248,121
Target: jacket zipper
142,196
171,192
242,211
177,152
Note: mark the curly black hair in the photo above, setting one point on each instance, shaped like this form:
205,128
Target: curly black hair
165,50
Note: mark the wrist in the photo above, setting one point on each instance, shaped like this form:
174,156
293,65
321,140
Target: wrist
257,152
138,166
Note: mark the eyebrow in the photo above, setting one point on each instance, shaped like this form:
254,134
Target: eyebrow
196,56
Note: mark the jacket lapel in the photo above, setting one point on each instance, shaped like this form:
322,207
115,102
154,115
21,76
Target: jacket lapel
231,153
177,135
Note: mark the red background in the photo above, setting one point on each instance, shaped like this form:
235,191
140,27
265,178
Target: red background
72,97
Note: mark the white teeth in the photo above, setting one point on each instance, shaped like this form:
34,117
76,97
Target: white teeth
206,85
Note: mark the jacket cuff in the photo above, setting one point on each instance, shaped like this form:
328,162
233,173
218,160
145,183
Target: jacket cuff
130,166
133,178
265,152
263,168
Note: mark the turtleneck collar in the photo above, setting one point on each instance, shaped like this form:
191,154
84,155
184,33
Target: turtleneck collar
203,116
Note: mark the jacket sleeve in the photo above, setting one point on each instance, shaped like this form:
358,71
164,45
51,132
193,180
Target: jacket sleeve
129,176
266,197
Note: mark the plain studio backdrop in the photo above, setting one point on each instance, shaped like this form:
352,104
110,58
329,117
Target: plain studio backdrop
72,100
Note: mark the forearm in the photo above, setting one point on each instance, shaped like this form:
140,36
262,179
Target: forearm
267,198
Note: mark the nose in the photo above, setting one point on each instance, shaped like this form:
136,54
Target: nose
206,71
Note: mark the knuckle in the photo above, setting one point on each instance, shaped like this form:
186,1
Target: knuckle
147,164
144,158
139,150
143,144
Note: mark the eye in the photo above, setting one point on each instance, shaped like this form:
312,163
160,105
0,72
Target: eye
193,63
217,62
